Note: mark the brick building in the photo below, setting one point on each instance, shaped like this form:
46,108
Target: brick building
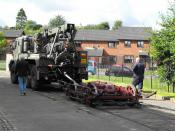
10,35
115,47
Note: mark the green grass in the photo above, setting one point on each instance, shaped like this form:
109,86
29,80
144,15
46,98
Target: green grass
171,95
158,86
2,65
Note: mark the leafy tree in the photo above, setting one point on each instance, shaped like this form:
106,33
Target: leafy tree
57,21
100,26
31,27
103,26
3,41
21,19
117,24
6,27
163,46
89,26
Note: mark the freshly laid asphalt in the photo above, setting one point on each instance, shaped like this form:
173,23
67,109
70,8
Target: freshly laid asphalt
35,112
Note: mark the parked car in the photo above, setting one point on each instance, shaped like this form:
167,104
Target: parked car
92,67
119,70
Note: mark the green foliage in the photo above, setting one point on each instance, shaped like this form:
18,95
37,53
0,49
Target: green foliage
163,47
57,21
32,27
117,24
3,41
21,19
32,32
89,26
2,64
101,26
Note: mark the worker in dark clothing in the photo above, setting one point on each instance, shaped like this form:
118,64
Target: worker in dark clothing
138,75
22,71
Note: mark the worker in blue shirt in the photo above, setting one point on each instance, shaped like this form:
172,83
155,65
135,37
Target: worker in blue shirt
138,75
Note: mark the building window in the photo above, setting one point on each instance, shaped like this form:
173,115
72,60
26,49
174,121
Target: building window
78,44
112,59
127,43
140,44
128,59
111,44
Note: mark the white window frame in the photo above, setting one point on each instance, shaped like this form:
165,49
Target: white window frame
127,43
78,43
112,59
129,58
140,44
111,44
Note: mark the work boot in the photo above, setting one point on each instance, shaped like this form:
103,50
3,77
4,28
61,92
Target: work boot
140,94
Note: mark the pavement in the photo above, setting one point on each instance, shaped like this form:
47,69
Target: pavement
4,73
24,113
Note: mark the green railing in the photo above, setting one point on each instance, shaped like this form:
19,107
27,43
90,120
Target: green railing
151,81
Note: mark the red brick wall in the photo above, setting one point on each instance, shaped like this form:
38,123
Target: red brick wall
120,50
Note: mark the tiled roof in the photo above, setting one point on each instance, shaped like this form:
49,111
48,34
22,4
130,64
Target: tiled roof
12,33
128,33
134,33
96,35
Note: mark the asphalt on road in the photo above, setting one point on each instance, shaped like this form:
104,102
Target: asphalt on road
51,110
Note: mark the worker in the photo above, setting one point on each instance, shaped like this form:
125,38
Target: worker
138,75
22,71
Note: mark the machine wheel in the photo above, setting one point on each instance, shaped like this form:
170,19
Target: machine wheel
13,77
132,90
34,81
90,102
135,105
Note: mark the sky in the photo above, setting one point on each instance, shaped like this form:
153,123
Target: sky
145,13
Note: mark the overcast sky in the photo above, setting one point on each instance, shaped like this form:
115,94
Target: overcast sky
131,12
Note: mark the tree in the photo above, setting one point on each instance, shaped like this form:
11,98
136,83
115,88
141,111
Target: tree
3,41
6,27
31,27
117,24
163,46
57,21
100,26
103,26
89,26
21,19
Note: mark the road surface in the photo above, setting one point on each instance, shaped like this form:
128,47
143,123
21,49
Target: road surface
50,110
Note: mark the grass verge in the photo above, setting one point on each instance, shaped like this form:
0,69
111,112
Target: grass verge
149,84
2,65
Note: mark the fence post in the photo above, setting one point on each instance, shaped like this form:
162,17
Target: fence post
151,73
98,67
122,73
110,69
168,87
